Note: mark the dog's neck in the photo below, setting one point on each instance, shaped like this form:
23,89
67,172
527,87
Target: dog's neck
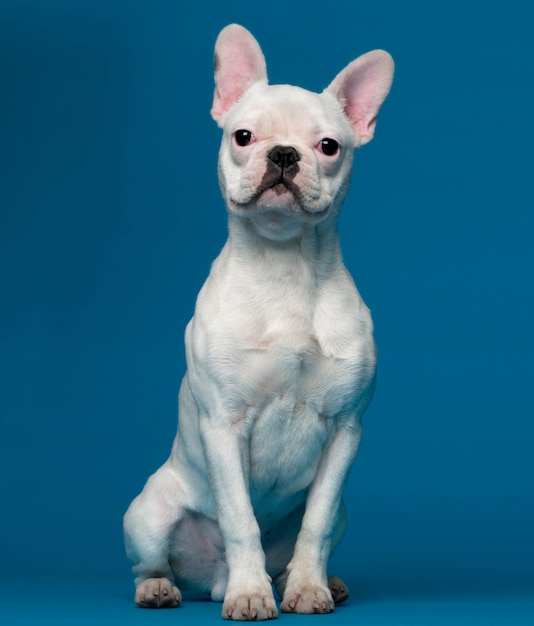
315,246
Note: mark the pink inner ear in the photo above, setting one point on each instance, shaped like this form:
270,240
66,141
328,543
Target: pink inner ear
226,94
363,117
365,93
361,89
239,63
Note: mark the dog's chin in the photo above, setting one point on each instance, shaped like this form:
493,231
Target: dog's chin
280,222
278,198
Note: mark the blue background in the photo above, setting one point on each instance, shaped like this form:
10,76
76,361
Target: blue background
110,216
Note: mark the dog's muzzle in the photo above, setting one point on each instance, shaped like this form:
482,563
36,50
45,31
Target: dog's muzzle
282,167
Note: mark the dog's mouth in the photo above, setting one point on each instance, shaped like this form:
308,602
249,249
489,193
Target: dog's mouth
279,194
278,188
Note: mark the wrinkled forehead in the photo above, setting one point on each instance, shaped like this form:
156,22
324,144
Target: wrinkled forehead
286,109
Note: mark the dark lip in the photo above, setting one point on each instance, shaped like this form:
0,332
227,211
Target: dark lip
291,187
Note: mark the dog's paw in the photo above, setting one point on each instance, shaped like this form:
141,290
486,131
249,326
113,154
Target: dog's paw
308,600
338,589
157,593
249,607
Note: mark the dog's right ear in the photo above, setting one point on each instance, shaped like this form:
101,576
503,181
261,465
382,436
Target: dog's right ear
239,63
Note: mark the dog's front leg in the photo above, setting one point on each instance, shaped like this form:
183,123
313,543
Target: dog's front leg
307,589
249,593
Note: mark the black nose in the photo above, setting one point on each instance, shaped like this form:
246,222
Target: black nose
283,157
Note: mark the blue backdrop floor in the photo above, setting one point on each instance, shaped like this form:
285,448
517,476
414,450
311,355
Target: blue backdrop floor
105,603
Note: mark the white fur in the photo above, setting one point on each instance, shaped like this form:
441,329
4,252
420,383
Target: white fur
280,356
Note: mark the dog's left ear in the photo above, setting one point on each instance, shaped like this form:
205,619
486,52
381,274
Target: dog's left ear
239,63
361,88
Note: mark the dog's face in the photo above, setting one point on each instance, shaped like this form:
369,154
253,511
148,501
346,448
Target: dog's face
286,153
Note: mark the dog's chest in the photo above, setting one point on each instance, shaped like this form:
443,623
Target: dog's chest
287,360
298,397
292,419
283,347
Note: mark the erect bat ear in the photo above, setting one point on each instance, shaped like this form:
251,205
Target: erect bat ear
361,88
239,63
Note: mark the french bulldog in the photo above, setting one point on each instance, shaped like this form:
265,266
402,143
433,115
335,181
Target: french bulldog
280,356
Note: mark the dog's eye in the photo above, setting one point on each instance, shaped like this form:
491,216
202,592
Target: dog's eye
329,146
243,137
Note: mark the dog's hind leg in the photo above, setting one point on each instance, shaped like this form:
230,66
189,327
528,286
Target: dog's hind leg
149,525
338,589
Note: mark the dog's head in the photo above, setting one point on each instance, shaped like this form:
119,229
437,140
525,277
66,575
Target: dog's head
286,153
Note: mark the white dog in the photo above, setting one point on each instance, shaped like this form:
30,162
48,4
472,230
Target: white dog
280,356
